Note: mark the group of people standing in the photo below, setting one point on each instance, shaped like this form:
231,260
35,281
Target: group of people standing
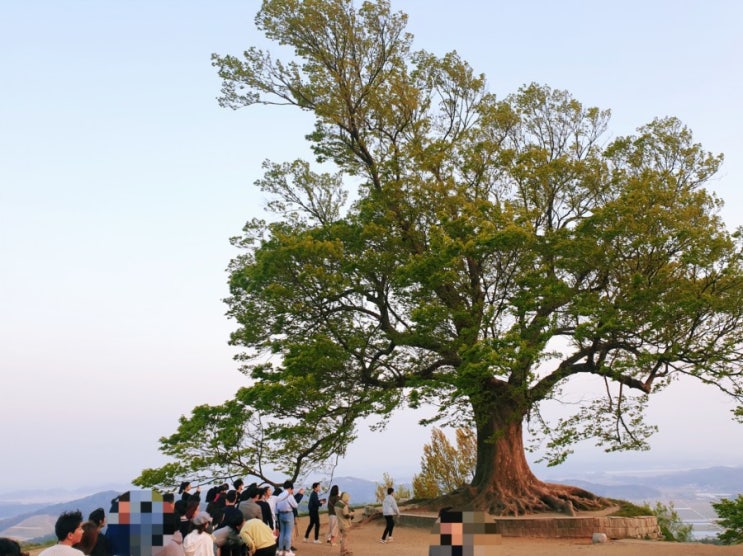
340,516
236,521
253,520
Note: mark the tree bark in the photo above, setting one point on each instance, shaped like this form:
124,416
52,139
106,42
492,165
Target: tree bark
503,483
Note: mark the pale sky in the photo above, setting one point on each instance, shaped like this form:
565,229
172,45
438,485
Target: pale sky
121,181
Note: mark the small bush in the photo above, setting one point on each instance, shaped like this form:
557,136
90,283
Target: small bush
730,513
671,526
669,522
628,509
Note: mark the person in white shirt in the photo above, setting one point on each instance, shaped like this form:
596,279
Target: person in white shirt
285,505
390,511
199,542
69,531
271,498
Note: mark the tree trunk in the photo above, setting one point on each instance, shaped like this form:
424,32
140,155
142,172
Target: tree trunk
504,484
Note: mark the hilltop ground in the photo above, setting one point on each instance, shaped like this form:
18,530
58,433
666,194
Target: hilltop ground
414,541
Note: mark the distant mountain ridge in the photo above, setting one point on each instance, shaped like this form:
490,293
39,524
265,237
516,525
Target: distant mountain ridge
35,520
720,481
34,524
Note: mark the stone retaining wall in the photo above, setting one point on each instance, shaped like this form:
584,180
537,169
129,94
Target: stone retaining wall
556,527
581,527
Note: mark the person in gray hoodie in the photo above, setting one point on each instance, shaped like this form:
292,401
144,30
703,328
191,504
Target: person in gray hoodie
389,511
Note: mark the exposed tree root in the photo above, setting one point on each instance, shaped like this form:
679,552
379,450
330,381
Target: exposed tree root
534,498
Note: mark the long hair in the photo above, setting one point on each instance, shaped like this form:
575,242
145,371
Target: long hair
89,538
192,508
97,516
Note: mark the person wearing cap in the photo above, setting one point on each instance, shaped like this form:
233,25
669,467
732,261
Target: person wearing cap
199,542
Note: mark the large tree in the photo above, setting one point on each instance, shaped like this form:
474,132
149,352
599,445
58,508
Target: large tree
492,251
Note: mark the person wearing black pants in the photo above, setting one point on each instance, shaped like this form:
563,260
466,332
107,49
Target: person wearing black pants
389,510
313,507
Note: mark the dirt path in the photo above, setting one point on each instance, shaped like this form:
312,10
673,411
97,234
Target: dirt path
414,541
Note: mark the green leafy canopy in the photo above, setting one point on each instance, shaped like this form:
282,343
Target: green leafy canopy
492,251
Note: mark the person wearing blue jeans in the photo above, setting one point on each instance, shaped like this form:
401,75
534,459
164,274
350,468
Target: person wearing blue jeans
285,506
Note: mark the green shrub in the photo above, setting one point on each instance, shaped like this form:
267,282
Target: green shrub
730,513
628,509
670,524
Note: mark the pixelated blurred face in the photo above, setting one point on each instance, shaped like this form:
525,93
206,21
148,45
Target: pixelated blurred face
456,530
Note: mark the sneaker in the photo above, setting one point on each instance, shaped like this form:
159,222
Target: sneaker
383,541
389,539
289,553
305,539
317,542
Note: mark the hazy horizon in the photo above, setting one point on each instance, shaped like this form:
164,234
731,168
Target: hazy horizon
581,472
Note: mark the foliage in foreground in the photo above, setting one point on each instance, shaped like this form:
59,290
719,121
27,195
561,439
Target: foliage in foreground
730,513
